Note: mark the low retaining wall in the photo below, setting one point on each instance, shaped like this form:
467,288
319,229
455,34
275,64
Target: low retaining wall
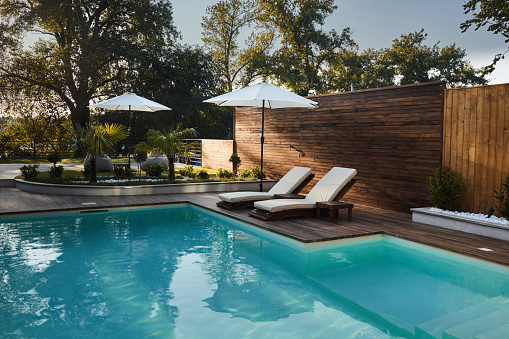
202,187
489,229
7,183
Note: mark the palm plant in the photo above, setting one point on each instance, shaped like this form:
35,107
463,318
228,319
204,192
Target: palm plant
170,143
96,141
188,149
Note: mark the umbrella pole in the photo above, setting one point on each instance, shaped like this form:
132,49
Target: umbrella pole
129,144
262,140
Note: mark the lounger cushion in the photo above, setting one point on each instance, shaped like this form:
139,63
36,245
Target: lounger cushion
329,186
234,197
286,185
325,190
278,205
291,180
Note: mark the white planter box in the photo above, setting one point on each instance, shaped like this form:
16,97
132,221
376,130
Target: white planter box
453,222
202,187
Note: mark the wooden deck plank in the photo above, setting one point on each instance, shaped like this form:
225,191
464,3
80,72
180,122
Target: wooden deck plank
366,220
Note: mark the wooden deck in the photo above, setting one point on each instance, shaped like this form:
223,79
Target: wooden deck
366,220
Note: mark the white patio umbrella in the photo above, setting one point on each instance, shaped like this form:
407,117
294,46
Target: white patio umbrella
262,95
130,102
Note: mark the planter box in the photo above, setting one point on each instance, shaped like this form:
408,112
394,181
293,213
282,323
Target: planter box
453,222
202,187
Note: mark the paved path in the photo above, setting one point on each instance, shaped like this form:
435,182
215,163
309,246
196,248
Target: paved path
9,171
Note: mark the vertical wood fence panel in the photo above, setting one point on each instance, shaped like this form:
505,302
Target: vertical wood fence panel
216,153
476,141
392,136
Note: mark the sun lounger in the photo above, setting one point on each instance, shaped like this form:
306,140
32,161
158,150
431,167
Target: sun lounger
293,182
332,186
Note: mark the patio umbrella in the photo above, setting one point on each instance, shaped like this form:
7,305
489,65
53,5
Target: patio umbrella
130,102
261,95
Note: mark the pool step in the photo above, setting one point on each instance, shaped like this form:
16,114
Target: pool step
439,327
480,326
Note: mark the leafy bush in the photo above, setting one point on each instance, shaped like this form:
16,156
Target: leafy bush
235,160
140,156
29,172
244,174
503,199
188,171
56,172
225,174
156,170
54,158
445,188
122,172
256,173
202,174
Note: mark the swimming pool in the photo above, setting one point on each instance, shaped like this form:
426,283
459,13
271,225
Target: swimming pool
184,272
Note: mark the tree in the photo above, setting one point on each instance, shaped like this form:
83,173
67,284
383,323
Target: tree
491,13
88,46
306,50
170,143
221,31
369,69
96,141
407,61
415,62
180,77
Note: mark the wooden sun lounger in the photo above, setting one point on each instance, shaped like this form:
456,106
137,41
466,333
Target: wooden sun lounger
250,203
299,212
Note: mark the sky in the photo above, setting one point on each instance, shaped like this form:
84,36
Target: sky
376,23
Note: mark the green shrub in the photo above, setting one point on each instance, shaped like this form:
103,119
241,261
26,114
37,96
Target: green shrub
445,188
56,172
244,174
235,160
202,174
503,199
225,174
54,158
156,170
29,172
122,172
140,156
255,173
188,171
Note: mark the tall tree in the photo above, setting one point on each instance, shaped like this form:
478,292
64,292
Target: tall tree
87,45
491,13
351,69
416,62
222,29
306,49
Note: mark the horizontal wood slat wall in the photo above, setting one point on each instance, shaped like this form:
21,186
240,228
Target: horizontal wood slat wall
216,153
476,141
392,136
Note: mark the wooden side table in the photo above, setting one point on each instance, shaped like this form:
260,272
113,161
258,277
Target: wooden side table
334,206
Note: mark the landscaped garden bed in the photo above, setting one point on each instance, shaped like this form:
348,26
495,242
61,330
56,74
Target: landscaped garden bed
470,223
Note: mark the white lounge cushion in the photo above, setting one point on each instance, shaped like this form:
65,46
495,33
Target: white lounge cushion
291,180
234,197
288,183
277,205
325,190
329,186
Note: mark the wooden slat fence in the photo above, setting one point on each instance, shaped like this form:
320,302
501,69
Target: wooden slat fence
476,141
392,136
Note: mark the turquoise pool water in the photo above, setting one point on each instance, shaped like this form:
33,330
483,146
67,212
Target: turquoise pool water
184,272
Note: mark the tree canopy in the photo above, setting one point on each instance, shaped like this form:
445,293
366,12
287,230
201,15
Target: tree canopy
86,47
491,13
306,49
